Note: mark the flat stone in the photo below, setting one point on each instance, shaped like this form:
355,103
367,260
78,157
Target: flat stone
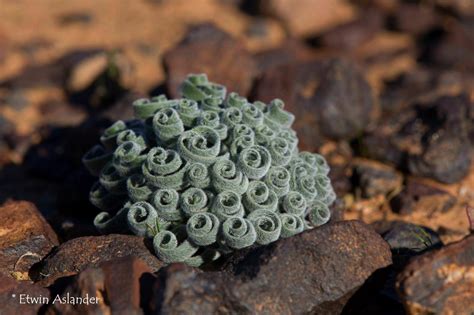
25,238
80,253
375,178
16,297
419,196
299,17
441,281
207,49
314,272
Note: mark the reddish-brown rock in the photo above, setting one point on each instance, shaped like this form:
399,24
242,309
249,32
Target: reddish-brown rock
315,272
206,49
80,253
16,297
121,286
376,178
419,196
441,281
25,238
299,16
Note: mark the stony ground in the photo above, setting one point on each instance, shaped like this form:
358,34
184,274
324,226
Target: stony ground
384,89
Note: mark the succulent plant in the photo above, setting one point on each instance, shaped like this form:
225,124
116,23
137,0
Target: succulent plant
207,174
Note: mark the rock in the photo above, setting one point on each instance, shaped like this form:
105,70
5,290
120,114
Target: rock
80,253
120,286
288,52
441,281
25,239
418,196
16,297
447,131
329,98
406,239
455,48
352,34
299,17
314,272
207,49
415,134
415,19
376,178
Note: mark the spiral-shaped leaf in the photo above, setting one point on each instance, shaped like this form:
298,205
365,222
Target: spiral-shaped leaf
277,116
264,134
252,116
194,200
318,213
232,116
278,180
214,104
306,185
209,118
188,111
95,159
190,88
164,168
202,228
235,100
240,144
238,233
109,136
267,225
173,246
167,125
294,203
138,188
280,151
106,223
165,202
241,130
131,135
127,158
142,218
226,176
111,180
290,136
198,175
227,204
145,108
200,144
259,197
254,161
290,225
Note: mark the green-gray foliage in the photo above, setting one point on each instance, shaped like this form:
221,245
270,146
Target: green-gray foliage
207,174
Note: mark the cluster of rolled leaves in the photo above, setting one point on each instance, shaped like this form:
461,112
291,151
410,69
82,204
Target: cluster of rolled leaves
207,174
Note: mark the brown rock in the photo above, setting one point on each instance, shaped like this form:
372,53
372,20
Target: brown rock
206,49
13,292
441,281
299,17
121,286
414,18
25,238
80,253
329,98
376,178
419,196
315,272
354,33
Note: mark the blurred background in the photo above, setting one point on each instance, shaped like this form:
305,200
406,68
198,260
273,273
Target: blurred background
383,88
